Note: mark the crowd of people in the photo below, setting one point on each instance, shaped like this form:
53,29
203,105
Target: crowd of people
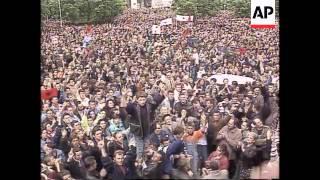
119,102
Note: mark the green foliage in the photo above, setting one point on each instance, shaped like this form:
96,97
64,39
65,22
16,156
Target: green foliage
82,11
277,8
241,7
210,7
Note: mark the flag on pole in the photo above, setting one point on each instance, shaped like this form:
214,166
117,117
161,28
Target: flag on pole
88,29
186,32
167,21
184,18
156,29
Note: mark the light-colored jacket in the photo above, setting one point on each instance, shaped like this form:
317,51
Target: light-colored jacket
166,103
231,138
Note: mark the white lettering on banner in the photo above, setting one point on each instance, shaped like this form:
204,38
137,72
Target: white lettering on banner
167,21
134,4
161,3
184,18
263,13
156,29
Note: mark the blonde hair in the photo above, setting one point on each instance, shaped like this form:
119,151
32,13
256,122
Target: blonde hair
252,134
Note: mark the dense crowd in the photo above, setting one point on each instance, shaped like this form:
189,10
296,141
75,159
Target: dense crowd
119,102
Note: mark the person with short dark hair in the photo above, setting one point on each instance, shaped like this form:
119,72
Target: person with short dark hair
182,104
157,135
168,125
155,168
119,169
174,150
142,111
215,124
90,164
118,143
170,100
191,138
75,163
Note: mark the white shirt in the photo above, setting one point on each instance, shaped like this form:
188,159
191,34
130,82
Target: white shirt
203,139
176,94
196,57
200,73
187,86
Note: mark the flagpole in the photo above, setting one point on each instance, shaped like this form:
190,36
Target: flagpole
176,24
60,13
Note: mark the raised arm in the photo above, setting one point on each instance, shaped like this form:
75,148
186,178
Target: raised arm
125,107
234,142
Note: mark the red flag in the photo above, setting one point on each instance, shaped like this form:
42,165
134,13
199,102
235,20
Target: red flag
242,51
49,93
186,32
89,29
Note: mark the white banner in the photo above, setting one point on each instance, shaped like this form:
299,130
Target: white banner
167,3
156,29
230,77
166,22
184,18
161,3
134,4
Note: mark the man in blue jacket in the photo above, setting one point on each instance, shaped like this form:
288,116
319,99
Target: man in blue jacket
174,150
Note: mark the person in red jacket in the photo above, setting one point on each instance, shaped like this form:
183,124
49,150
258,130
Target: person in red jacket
48,93
221,156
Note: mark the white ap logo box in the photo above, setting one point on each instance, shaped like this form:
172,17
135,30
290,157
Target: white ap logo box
263,13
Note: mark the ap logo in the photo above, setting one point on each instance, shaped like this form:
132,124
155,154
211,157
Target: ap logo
263,14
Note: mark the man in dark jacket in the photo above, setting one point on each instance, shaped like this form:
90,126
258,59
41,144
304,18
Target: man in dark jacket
263,140
119,170
182,104
91,167
272,103
142,116
214,126
155,169
174,150
157,135
75,164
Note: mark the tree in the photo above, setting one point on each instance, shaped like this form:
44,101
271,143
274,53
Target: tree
70,12
277,8
210,7
82,11
241,7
